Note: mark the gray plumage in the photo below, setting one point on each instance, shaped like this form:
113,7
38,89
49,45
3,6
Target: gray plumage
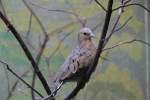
82,56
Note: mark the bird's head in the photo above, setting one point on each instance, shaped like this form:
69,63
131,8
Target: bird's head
85,34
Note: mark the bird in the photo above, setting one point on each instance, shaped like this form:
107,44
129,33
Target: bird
83,55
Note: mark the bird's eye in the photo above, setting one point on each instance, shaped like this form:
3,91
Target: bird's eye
85,33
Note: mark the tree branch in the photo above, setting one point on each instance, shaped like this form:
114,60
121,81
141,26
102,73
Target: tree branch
102,39
38,57
10,70
33,13
124,24
58,46
92,68
100,5
6,73
14,85
127,42
29,26
132,4
27,52
2,7
80,20
121,11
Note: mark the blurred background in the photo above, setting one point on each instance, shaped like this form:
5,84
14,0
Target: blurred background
122,72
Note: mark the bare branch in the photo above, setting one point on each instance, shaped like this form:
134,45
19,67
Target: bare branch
92,68
10,70
33,13
58,46
59,29
15,85
55,10
42,46
27,52
38,57
100,5
6,73
101,42
29,26
116,22
124,24
127,1
112,31
2,6
127,42
7,78
80,20
132,4
95,27
53,93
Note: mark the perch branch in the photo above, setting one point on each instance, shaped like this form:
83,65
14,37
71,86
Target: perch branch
102,39
91,69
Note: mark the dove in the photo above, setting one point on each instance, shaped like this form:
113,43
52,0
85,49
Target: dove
82,56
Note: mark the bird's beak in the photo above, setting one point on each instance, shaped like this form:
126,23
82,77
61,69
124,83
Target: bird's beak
92,35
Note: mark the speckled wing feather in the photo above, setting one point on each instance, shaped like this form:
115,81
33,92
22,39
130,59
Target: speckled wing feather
80,57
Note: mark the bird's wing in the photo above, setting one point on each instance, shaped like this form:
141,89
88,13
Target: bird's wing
78,58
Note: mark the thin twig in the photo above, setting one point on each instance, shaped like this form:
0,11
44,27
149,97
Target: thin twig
58,46
42,46
127,1
29,26
124,24
95,27
23,81
55,10
126,42
53,92
10,90
15,85
59,29
2,6
35,16
38,57
112,31
100,5
7,78
80,20
6,73
116,22
10,70
132,4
